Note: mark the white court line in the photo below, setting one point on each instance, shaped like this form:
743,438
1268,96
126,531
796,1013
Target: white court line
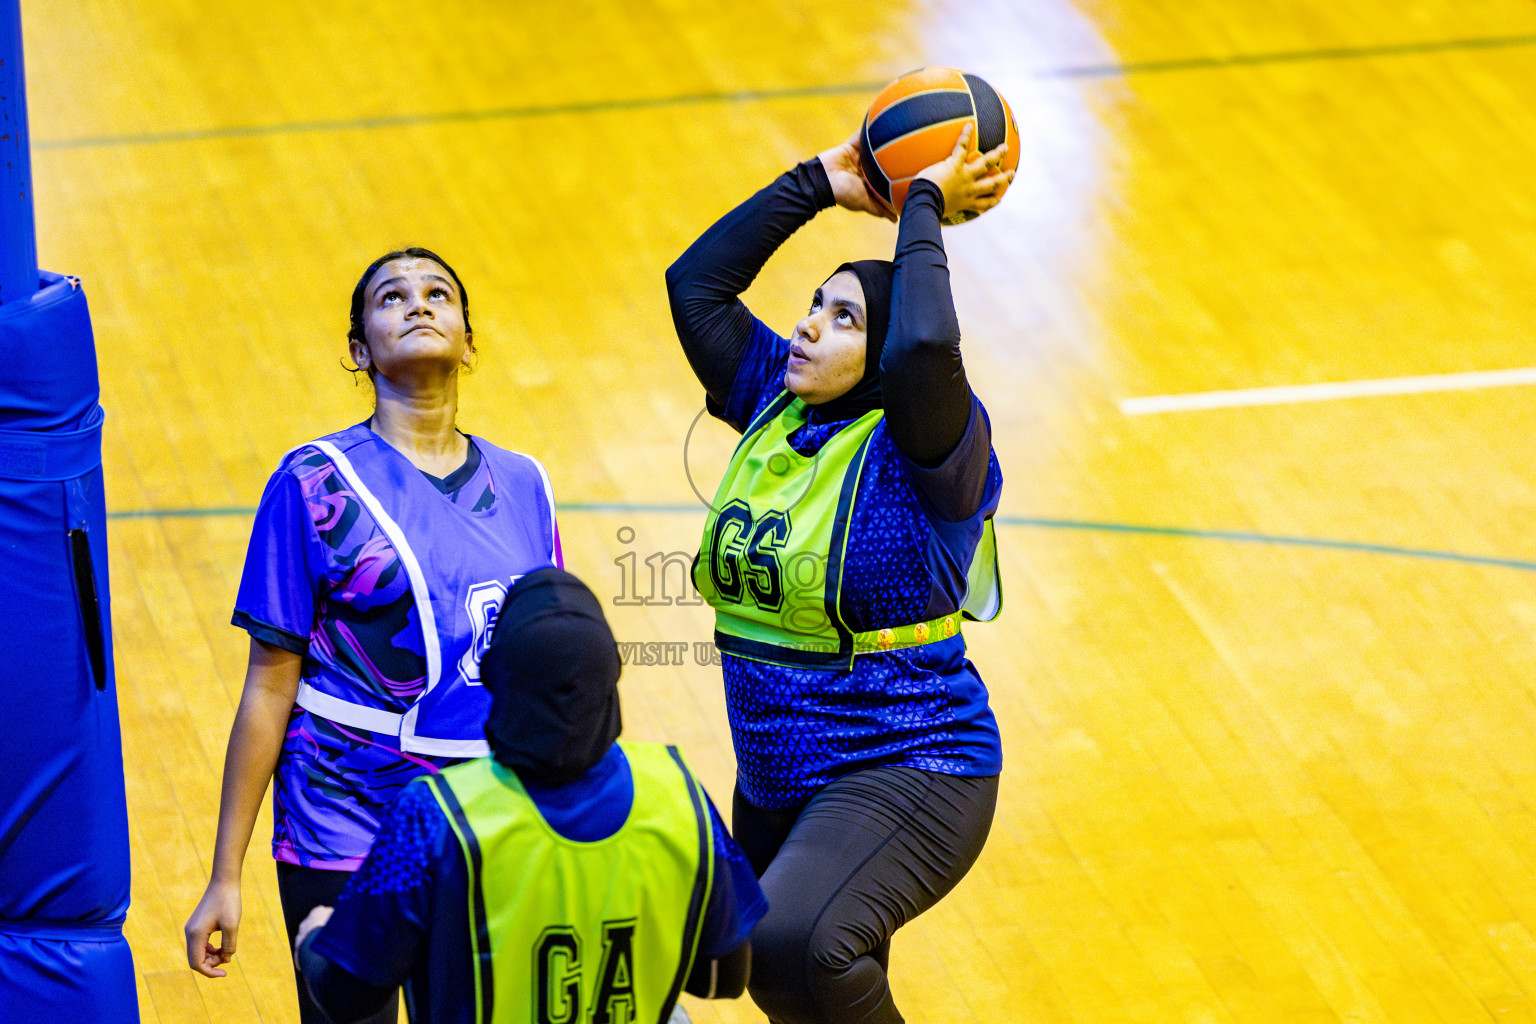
1286,394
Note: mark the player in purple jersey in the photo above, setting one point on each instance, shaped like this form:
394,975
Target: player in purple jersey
849,535
378,562
428,896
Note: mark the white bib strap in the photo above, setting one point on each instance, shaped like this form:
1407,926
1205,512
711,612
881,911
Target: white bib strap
407,559
445,748
549,496
342,712
346,713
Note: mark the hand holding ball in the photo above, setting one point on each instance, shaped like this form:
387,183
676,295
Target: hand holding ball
916,122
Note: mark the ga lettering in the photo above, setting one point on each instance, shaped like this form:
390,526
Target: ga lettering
557,994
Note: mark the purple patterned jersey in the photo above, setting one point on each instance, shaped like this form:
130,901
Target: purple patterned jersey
322,580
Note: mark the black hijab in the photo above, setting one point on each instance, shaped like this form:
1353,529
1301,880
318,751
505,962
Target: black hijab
876,277
552,671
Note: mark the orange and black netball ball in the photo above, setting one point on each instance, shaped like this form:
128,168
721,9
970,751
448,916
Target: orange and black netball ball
914,122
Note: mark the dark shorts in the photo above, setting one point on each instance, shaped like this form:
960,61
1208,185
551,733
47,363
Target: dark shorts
861,858
302,890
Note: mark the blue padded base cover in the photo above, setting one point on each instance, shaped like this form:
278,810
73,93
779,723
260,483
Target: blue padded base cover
63,815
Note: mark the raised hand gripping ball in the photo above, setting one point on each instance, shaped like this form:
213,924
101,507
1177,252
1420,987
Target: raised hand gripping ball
914,122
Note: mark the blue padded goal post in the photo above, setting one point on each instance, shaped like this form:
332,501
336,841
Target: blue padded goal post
64,864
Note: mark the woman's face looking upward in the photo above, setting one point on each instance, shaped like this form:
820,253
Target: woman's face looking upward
826,353
413,316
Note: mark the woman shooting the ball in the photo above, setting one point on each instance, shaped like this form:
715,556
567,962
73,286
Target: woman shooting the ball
848,534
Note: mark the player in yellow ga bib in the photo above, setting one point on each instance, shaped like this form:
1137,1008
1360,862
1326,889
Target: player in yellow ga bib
580,931
567,878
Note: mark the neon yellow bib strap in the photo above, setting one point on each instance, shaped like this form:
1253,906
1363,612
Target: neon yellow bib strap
479,931
704,882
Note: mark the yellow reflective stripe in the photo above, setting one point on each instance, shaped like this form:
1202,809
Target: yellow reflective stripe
913,634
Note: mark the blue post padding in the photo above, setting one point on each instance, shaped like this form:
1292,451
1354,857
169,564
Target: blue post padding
18,235
64,868
48,376
52,981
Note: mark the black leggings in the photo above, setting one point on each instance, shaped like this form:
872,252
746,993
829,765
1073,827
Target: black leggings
302,890
860,859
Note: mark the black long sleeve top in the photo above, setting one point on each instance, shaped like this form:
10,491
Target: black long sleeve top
928,401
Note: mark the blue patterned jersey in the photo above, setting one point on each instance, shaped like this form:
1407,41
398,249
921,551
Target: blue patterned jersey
797,729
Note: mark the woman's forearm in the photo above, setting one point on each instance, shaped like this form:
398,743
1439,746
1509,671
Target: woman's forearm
927,398
704,283
255,741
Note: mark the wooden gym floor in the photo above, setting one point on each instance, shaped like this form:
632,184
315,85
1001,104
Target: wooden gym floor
1265,670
